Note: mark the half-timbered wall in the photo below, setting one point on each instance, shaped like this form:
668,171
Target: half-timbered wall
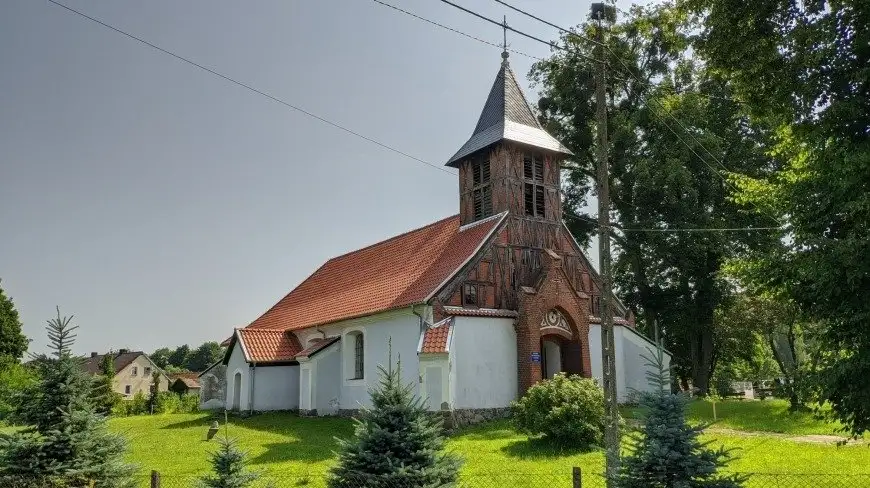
514,259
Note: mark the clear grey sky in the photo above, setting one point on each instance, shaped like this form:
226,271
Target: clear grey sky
162,205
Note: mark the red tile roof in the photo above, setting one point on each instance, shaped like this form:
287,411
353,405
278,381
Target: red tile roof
435,338
395,273
480,312
317,346
191,380
267,345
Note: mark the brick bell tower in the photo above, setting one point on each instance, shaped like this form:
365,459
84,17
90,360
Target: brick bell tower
510,163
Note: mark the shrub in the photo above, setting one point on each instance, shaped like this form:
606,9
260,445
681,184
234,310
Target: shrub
567,410
189,403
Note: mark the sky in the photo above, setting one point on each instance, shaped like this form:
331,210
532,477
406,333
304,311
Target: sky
161,205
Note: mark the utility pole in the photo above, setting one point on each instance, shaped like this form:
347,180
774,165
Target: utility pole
608,354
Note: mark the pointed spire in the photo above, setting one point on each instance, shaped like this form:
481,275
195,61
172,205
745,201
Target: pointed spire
504,52
507,115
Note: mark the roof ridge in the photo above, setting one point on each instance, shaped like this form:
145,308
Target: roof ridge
471,225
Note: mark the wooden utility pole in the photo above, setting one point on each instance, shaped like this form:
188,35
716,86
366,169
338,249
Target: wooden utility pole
608,354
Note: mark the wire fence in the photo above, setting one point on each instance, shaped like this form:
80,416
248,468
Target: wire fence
505,480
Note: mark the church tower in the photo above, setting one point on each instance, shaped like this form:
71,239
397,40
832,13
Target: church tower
510,163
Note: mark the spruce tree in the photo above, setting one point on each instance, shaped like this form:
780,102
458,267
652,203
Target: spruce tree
666,451
397,443
228,465
65,438
12,342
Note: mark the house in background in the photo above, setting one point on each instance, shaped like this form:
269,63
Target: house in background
479,306
133,372
184,383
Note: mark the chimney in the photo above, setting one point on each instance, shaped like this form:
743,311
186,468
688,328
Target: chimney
123,351
94,354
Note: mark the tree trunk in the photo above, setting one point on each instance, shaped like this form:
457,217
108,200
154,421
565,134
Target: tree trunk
702,359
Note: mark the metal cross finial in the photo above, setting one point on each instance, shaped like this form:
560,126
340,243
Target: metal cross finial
504,53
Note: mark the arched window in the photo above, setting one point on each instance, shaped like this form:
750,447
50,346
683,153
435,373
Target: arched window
355,356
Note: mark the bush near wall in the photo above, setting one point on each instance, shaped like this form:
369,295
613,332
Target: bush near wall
566,410
167,402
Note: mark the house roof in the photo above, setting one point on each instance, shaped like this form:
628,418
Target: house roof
507,115
398,272
480,312
267,345
190,380
436,339
122,360
317,346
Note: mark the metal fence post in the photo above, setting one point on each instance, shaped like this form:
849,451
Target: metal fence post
576,476
155,479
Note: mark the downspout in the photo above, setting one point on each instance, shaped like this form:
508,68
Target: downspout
251,389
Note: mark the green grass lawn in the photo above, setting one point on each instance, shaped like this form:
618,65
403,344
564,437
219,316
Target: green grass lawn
295,451
770,415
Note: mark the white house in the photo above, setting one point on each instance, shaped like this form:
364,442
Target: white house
478,306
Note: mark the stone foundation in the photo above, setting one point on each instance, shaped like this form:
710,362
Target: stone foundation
462,417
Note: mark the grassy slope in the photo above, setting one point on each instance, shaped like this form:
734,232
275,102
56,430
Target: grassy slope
760,416
288,449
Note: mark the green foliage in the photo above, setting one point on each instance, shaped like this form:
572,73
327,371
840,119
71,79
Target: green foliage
396,443
165,402
228,467
178,357
65,438
13,343
804,68
15,380
204,356
104,396
566,410
667,451
160,357
661,178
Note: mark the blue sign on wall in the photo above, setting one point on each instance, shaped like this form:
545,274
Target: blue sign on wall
536,357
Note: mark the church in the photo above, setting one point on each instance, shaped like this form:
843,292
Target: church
478,306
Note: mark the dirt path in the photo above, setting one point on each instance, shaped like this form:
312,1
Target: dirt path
810,439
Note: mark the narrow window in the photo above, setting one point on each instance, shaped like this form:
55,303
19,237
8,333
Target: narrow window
358,359
481,190
135,370
147,370
469,295
127,389
533,190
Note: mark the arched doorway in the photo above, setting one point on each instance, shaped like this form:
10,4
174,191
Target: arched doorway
237,391
561,348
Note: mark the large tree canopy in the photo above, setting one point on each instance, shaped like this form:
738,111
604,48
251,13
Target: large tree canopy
673,130
804,68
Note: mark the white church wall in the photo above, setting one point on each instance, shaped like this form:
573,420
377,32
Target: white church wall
630,365
276,387
435,376
327,380
402,326
484,353
237,365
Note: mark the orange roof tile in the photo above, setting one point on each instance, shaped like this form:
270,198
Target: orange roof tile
435,338
268,345
395,273
480,312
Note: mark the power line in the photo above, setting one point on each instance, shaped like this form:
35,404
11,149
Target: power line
251,88
649,99
684,229
502,25
451,29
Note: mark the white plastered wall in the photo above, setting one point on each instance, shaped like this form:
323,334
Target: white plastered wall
483,353
237,364
631,367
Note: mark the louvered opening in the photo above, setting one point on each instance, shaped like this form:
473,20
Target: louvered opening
530,199
539,201
528,167
539,168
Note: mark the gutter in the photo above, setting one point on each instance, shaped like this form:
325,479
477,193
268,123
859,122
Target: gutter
251,390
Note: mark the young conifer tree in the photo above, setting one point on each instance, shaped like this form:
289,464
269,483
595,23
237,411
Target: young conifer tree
666,451
397,443
228,464
104,396
65,440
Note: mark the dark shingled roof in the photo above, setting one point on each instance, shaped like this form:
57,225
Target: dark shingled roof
507,115
92,364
